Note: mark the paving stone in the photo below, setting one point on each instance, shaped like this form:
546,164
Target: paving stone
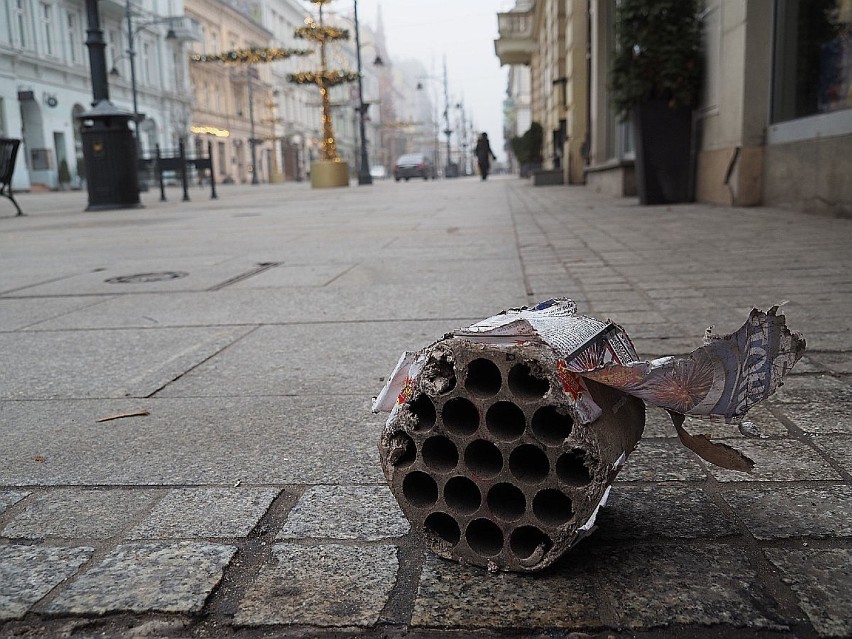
807,364
658,424
327,586
822,417
28,573
452,595
345,512
822,581
79,513
836,362
147,578
662,461
802,389
706,584
774,513
206,512
777,460
10,498
838,448
665,511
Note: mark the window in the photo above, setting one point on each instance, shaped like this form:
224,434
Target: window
813,58
46,11
147,63
73,36
21,20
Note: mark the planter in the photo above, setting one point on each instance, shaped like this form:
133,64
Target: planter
664,164
329,174
528,168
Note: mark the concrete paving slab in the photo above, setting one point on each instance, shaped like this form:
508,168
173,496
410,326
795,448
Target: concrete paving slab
18,314
777,460
314,359
367,513
205,512
268,441
151,577
471,272
381,302
79,514
776,513
822,581
327,586
104,364
11,497
289,275
455,596
667,511
707,584
161,275
28,573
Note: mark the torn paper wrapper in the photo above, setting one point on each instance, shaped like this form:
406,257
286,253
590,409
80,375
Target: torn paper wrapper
722,379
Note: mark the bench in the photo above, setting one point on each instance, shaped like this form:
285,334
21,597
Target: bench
8,153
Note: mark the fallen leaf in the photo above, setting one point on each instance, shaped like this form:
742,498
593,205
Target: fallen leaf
134,413
39,458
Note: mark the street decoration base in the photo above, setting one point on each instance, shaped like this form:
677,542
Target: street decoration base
329,174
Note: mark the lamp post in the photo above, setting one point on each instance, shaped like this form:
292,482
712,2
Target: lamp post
131,54
364,176
449,171
252,138
435,119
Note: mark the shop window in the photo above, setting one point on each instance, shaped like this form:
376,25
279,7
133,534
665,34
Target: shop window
813,58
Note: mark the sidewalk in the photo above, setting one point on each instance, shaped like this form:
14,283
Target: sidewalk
252,331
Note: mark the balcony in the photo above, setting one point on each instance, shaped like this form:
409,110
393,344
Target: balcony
184,29
516,43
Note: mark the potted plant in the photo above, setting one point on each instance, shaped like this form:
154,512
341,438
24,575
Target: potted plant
527,149
655,80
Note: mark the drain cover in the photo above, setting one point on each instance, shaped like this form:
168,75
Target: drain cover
142,278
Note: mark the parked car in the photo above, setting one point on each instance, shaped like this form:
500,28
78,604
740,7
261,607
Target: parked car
377,172
413,165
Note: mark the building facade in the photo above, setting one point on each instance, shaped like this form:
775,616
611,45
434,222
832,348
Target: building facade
45,81
551,38
775,121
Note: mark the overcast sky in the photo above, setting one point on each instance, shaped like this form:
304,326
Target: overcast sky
464,31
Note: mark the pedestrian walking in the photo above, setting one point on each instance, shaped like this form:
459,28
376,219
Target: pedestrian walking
484,154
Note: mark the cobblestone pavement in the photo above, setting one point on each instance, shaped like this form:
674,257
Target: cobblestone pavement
248,334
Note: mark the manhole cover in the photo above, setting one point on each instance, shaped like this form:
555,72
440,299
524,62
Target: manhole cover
141,278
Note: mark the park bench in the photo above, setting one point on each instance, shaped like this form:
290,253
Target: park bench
8,153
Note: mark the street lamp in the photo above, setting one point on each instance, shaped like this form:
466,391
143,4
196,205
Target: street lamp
131,54
364,176
252,139
450,170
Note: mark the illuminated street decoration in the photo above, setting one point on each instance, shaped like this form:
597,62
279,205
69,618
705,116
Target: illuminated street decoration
324,78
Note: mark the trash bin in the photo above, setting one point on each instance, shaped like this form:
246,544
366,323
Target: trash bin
109,151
